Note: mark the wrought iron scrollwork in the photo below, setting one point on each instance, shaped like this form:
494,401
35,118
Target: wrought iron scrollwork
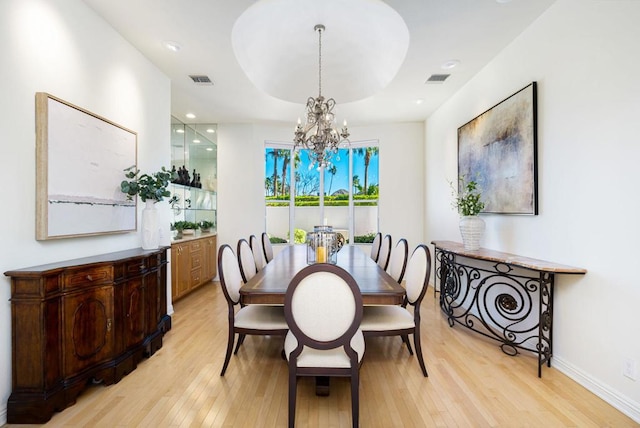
512,307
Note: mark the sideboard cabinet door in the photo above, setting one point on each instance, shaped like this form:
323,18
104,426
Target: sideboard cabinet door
88,326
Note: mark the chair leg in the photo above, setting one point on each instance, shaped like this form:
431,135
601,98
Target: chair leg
240,342
355,398
405,339
293,384
230,341
416,341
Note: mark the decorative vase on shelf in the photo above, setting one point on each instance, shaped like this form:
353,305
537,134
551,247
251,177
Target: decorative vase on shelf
472,230
150,233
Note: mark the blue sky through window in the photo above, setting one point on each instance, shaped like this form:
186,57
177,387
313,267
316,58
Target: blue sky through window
339,181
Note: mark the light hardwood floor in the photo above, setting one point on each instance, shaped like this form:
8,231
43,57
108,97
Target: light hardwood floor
471,383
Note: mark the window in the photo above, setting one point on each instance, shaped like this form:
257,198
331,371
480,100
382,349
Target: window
343,195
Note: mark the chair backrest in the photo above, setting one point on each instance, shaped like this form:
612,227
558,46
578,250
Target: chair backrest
417,274
258,254
266,247
246,261
398,260
375,246
229,272
323,308
385,251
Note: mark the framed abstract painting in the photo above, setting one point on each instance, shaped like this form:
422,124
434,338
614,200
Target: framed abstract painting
80,162
498,150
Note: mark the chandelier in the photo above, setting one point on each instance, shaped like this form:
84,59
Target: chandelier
319,135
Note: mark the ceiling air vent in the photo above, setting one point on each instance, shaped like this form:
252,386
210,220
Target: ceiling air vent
201,79
437,78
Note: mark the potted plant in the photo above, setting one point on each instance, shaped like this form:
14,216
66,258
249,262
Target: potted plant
151,188
205,226
190,228
467,200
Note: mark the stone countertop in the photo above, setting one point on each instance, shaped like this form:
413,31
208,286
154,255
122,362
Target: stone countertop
507,258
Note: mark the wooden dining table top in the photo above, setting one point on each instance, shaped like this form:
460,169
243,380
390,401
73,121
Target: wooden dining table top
269,286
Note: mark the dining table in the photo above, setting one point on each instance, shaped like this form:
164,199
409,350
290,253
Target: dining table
269,285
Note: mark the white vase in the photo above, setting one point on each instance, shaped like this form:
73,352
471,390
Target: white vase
472,230
150,234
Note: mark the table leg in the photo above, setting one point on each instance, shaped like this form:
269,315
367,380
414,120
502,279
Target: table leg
322,386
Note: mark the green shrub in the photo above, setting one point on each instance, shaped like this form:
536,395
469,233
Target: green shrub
364,239
276,240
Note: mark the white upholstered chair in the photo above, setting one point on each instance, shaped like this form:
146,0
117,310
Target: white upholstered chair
246,261
375,246
250,319
397,320
398,260
258,253
266,247
385,252
323,308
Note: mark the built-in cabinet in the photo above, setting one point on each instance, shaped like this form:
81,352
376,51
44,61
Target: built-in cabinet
193,257
79,321
193,263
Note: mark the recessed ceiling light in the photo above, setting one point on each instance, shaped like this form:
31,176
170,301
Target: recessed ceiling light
172,46
196,141
211,130
448,65
209,149
190,116
419,101
180,131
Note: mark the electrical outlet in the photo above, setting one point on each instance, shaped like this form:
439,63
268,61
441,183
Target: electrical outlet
629,368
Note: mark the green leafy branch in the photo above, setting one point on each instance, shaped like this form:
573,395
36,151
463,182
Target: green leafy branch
467,202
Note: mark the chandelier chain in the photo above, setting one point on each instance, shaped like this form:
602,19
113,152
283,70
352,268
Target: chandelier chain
319,60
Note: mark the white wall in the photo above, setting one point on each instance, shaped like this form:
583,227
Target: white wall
584,56
241,178
63,48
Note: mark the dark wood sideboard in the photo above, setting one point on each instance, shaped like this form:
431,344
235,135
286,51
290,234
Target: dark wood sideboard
82,321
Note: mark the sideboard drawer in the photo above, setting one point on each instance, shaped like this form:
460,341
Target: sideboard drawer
87,276
136,267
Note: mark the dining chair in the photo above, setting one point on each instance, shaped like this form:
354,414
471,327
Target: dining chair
248,320
246,261
389,320
266,247
385,251
398,260
375,246
323,308
258,253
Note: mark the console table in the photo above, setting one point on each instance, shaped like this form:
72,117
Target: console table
502,296
79,321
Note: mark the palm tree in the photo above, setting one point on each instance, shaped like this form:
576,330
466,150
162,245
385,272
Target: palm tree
367,152
332,171
285,165
275,153
356,184
268,185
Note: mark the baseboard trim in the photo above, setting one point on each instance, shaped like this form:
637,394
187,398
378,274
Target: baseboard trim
613,397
